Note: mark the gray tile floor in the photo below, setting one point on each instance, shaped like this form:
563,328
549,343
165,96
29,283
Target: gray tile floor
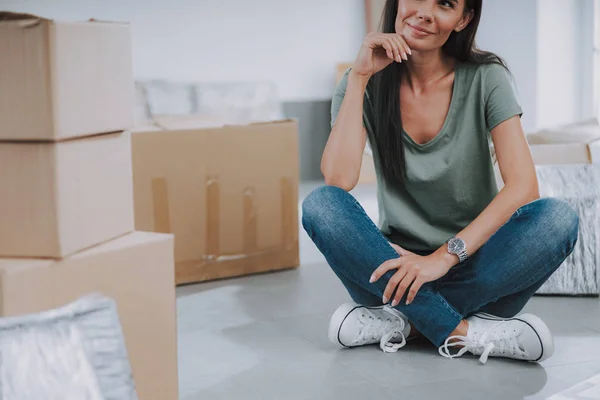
265,337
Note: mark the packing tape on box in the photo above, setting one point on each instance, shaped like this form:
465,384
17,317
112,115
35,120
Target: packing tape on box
213,206
249,225
160,197
251,255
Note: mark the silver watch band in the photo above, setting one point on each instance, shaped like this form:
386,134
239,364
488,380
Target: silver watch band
461,251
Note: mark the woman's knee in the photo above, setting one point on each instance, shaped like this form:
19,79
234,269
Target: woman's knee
556,220
322,204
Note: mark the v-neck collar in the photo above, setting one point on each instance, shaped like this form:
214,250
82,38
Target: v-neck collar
449,115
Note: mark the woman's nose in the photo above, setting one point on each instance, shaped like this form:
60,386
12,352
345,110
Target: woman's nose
425,11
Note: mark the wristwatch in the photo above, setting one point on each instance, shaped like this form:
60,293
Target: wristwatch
458,247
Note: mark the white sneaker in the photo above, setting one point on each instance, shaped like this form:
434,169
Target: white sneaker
525,337
354,325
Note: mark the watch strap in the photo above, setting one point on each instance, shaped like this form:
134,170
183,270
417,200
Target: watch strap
462,256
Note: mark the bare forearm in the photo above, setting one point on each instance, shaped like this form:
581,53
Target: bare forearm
342,157
496,214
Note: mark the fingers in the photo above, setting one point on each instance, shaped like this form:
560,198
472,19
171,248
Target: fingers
414,289
405,45
394,263
397,49
389,50
403,284
392,49
402,47
394,45
392,284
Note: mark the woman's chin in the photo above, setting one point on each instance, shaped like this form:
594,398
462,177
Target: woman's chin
421,47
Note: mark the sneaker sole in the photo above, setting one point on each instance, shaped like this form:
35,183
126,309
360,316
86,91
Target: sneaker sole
539,327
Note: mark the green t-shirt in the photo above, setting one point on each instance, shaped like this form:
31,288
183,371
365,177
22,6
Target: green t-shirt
450,179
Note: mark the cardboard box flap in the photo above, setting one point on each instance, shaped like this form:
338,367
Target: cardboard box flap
180,122
126,241
22,20
16,16
170,122
276,122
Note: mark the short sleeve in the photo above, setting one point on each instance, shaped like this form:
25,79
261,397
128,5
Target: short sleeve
338,97
499,95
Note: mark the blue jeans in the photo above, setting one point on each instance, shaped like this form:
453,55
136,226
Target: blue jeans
498,279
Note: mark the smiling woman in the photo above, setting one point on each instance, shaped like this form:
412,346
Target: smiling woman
450,249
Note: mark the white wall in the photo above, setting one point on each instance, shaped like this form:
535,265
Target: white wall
509,29
548,45
559,77
295,43
588,90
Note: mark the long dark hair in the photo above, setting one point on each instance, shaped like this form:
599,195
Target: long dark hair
387,132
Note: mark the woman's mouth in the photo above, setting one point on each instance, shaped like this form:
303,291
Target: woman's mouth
418,31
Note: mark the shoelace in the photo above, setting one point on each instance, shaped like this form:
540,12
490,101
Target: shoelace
384,328
493,341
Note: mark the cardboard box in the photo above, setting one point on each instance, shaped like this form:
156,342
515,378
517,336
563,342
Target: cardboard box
566,153
135,270
577,143
229,194
60,80
60,198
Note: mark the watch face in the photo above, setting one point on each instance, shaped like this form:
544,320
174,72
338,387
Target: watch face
456,245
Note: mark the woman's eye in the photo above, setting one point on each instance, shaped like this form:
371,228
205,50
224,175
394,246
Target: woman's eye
447,3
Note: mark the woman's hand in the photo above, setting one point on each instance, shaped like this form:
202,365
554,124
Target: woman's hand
378,51
413,271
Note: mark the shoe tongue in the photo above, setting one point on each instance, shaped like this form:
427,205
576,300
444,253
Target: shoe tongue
481,328
382,316
394,315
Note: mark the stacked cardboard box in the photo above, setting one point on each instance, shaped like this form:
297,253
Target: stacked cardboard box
66,103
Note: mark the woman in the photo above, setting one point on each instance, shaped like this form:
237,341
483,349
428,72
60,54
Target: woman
453,259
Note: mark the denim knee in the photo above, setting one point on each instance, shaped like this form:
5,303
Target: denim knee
557,220
321,205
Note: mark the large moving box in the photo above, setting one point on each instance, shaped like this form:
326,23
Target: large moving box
64,79
59,198
229,194
135,270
